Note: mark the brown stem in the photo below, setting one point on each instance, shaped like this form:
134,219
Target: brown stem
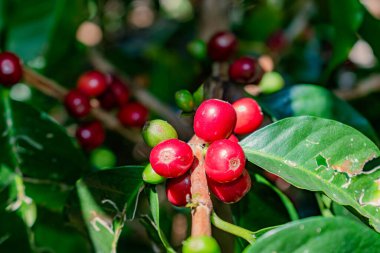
362,89
53,89
201,224
143,96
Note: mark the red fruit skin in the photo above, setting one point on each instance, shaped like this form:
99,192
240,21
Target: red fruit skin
214,120
277,41
92,83
107,100
133,115
77,104
90,135
249,115
120,91
233,191
171,158
233,138
178,190
244,70
225,161
10,69
222,46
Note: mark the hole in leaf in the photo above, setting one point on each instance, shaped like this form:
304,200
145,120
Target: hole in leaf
321,161
370,165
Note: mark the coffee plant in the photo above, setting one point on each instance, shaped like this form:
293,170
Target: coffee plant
189,126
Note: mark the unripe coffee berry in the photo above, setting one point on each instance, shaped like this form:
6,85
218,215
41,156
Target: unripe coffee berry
271,82
198,96
178,190
222,46
90,135
249,115
92,83
150,176
224,160
214,120
200,244
171,158
233,191
244,70
77,104
198,49
184,100
10,69
133,115
157,131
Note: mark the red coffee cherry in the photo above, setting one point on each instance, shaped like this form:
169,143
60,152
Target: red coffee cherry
249,115
107,100
222,46
277,41
178,190
233,191
120,91
10,69
90,135
225,161
214,120
171,158
233,138
92,83
244,70
77,104
133,115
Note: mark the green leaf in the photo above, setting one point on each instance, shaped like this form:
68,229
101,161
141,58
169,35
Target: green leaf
106,199
267,203
13,234
155,223
346,17
312,100
369,25
318,234
33,143
320,155
38,27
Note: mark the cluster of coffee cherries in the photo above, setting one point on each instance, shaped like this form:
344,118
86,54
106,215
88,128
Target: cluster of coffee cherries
110,93
246,69
215,122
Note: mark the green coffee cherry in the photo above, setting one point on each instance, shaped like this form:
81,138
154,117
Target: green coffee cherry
271,82
102,158
198,95
201,244
198,49
184,100
150,176
156,131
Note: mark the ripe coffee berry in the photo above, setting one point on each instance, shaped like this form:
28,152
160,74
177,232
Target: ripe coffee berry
249,115
119,90
10,69
244,70
200,244
178,190
92,83
233,138
171,158
214,120
277,41
77,104
133,115
90,135
233,191
157,131
222,46
225,161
